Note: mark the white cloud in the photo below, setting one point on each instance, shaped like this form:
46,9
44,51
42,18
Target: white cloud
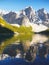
3,11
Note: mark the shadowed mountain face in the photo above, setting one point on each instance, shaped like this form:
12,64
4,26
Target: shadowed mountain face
43,14
5,30
10,17
5,33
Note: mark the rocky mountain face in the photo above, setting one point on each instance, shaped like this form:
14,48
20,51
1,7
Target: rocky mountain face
28,14
10,17
44,16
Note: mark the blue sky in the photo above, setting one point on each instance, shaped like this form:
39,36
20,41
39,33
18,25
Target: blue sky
16,5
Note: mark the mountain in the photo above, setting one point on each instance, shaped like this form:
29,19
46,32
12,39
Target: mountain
44,16
2,12
30,13
13,17
10,17
29,17
40,16
6,30
22,13
6,26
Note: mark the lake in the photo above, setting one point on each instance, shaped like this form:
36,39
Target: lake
22,43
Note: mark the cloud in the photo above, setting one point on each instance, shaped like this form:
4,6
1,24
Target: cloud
3,11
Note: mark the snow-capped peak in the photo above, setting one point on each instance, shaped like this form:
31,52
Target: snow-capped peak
45,11
30,9
3,11
22,12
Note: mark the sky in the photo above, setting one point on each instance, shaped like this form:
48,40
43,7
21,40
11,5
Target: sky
17,5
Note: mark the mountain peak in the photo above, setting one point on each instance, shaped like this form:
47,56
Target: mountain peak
30,8
12,12
22,13
30,12
43,11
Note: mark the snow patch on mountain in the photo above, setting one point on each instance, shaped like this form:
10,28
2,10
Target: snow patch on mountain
36,27
15,25
3,12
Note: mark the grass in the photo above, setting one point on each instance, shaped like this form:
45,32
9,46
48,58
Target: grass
21,29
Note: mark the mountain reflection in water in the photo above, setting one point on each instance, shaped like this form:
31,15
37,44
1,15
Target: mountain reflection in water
31,47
